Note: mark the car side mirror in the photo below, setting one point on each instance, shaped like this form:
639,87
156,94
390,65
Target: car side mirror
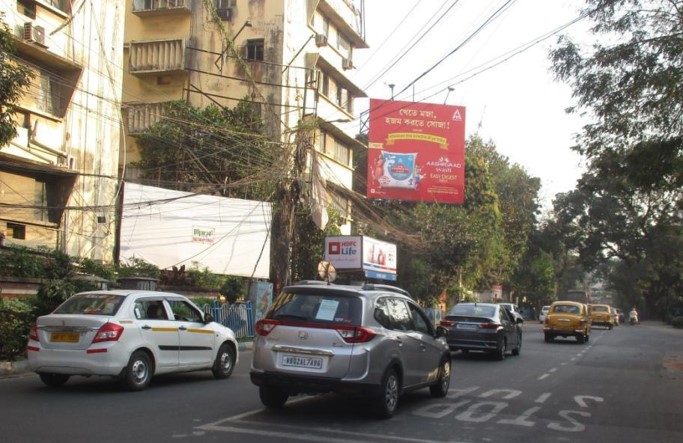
208,318
520,320
441,331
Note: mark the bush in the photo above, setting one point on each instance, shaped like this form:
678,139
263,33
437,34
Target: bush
677,322
15,322
51,294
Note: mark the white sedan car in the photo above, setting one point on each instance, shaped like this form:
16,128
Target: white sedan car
544,313
131,335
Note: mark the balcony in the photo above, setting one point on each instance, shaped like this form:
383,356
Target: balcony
140,116
153,8
157,57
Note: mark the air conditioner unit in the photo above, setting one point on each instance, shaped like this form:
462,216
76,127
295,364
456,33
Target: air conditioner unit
320,40
224,13
347,63
34,33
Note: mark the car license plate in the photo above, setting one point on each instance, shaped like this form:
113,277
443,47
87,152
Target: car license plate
469,327
302,362
65,337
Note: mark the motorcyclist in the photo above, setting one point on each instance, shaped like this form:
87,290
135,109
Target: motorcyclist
633,316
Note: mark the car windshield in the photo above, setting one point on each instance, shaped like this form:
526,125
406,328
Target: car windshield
317,308
600,308
472,310
567,309
91,304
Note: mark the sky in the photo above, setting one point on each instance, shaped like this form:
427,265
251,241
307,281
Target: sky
517,104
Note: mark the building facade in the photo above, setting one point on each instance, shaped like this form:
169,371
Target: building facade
288,58
58,176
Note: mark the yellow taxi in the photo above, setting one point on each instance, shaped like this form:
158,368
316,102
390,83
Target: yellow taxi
601,315
567,319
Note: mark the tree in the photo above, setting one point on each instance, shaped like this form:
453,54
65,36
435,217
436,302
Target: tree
211,150
627,206
14,79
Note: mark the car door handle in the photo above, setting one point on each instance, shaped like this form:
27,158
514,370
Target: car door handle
182,328
146,327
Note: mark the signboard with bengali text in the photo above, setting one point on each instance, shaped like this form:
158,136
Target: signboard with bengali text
416,152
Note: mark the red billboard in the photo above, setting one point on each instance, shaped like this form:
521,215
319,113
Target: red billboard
416,151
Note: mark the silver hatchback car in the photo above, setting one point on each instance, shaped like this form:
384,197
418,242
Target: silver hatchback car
373,340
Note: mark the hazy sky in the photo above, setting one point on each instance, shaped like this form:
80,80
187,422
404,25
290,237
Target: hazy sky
516,104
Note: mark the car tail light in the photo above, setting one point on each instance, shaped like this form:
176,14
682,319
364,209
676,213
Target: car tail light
33,333
447,323
357,334
264,327
489,326
108,332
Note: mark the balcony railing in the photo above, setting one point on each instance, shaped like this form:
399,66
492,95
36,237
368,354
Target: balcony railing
157,57
147,8
141,116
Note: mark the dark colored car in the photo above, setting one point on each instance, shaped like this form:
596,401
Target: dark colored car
483,327
370,340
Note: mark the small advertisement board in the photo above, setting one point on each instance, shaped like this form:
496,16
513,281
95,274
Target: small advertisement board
375,257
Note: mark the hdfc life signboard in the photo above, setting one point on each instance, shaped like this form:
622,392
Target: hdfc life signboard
375,257
416,152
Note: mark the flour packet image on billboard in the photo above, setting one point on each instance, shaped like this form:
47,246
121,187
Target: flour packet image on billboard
399,170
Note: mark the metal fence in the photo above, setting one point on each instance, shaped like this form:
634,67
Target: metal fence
238,316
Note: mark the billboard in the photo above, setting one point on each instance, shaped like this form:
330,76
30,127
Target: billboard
416,151
375,257
171,228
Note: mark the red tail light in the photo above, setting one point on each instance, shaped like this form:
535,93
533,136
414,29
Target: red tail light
447,323
357,334
33,333
108,332
489,326
264,327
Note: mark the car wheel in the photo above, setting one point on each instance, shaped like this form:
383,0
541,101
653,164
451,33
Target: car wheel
440,389
138,374
225,362
518,348
53,380
385,404
610,327
499,353
548,337
272,396
581,338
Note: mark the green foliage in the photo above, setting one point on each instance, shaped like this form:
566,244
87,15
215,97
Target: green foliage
107,271
14,81
51,294
677,322
203,278
211,150
21,262
15,322
233,289
137,267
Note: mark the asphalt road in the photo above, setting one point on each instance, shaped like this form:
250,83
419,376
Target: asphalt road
624,385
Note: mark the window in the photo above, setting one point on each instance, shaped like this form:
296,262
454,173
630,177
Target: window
17,231
422,323
224,4
62,5
342,153
40,201
26,7
341,205
183,311
324,86
48,97
254,50
344,47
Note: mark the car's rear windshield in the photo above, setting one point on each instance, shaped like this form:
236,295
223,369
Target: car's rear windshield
566,309
600,308
91,304
472,311
317,308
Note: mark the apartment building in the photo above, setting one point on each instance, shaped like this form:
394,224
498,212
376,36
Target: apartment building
290,58
58,176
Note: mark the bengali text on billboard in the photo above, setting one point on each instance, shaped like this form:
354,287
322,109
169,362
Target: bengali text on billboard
416,152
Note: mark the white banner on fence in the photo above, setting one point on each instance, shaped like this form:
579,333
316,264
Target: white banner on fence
171,228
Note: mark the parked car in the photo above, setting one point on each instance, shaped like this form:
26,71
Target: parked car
512,310
483,327
371,340
601,315
567,319
131,335
543,314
